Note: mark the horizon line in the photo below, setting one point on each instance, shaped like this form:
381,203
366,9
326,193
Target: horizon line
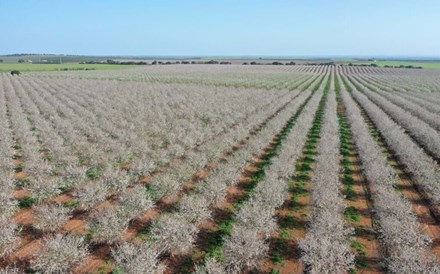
235,56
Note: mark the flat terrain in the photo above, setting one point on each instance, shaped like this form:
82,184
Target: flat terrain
425,65
8,67
219,169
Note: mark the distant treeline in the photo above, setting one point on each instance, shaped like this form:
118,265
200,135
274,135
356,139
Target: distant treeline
276,63
291,63
115,62
25,54
67,69
402,66
386,66
211,62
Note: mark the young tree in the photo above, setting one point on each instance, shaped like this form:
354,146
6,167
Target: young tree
9,237
52,216
108,225
137,259
211,266
11,270
134,202
166,185
91,195
8,206
60,254
243,250
43,188
174,233
194,208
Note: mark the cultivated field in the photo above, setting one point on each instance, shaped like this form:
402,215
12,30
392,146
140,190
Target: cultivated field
220,169
4,67
425,65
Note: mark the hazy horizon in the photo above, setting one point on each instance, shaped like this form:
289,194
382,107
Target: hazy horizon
419,57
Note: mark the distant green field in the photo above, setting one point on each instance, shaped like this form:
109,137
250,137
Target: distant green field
4,67
425,65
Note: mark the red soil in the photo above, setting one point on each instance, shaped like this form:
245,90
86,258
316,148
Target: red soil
21,193
20,175
25,217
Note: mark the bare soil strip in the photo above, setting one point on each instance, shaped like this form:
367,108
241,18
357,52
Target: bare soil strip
293,217
422,206
359,212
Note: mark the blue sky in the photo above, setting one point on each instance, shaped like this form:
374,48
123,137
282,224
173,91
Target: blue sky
214,27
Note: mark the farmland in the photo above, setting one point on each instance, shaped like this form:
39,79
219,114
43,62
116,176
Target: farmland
220,169
7,67
383,63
